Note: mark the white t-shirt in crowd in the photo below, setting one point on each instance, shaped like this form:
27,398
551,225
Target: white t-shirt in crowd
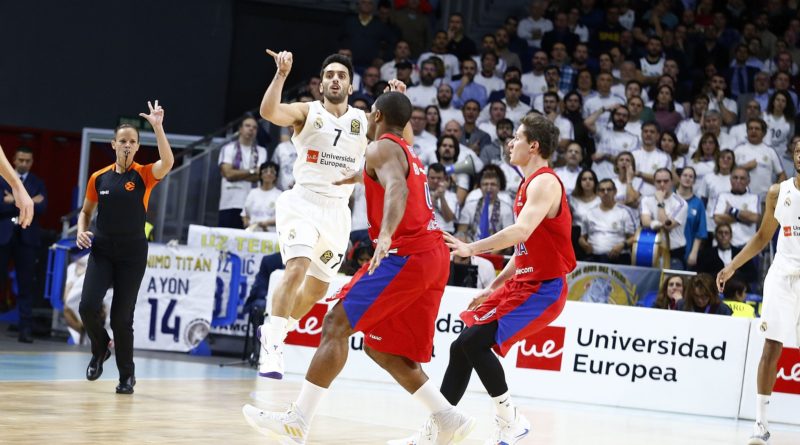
712,186
676,209
359,215
421,95
568,177
779,131
607,228
260,205
450,62
533,84
687,130
648,162
613,143
741,232
580,209
233,194
768,166
285,155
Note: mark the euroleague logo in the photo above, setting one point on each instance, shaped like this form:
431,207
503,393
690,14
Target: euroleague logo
788,380
309,329
129,186
543,350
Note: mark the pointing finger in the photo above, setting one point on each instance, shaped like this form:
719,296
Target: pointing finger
272,53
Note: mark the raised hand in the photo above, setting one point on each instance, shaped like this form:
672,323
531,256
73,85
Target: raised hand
396,85
156,116
283,60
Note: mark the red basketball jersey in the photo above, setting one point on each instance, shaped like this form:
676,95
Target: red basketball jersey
548,252
418,230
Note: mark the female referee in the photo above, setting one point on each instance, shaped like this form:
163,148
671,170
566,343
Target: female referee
120,193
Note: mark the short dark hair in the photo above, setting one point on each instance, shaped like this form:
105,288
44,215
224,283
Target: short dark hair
538,128
493,171
395,107
24,149
513,81
269,164
505,121
436,167
608,180
338,58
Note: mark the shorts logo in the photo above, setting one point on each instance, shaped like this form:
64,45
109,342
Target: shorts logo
129,186
375,337
487,315
326,256
318,123
308,331
542,350
355,126
312,156
763,326
788,379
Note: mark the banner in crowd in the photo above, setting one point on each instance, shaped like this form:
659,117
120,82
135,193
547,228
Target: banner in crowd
250,247
593,353
784,405
614,284
175,301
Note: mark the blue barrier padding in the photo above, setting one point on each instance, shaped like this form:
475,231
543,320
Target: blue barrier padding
232,309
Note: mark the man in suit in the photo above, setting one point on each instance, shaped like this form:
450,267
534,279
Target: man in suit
740,74
20,244
713,258
760,94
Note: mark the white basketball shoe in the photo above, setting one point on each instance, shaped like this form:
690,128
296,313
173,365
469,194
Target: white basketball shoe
760,435
289,428
270,361
509,433
446,427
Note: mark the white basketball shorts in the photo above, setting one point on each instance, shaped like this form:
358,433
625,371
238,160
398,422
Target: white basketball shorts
313,226
780,313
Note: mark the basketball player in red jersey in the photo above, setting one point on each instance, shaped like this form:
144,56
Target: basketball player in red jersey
393,299
532,289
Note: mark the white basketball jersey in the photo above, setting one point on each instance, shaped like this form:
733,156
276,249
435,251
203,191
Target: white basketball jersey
787,213
328,149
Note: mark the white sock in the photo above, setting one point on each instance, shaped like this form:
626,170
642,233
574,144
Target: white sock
277,329
291,324
504,407
309,398
762,402
428,394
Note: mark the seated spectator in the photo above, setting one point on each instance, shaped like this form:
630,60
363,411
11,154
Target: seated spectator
702,296
668,143
552,76
493,153
459,44
515,108
439,50
565,130
502,40
447,110
760,160
424,93
465,88
486,211
510,73
695,229
667,210
649,158
670,293
636,118
568,173
584,197
717,100
561,33
533,82
610,142
433,120
497,112
738,132
715,184
734,295
402,55
534,27
258,214
664,108
739,208
627,184
472,136
607,229
424,145
487,76
714,258
704,160
572,111
238,165
284,155
603,100
453,128
443,199
689,128
712,123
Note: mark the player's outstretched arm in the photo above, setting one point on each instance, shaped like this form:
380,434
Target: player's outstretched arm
282,115
383,157
543,193
768,226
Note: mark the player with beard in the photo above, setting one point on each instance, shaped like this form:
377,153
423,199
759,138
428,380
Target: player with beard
313,218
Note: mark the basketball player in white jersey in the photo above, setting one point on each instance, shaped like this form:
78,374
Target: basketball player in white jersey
780,317
313,218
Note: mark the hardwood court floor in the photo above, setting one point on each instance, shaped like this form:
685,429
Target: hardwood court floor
180,400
